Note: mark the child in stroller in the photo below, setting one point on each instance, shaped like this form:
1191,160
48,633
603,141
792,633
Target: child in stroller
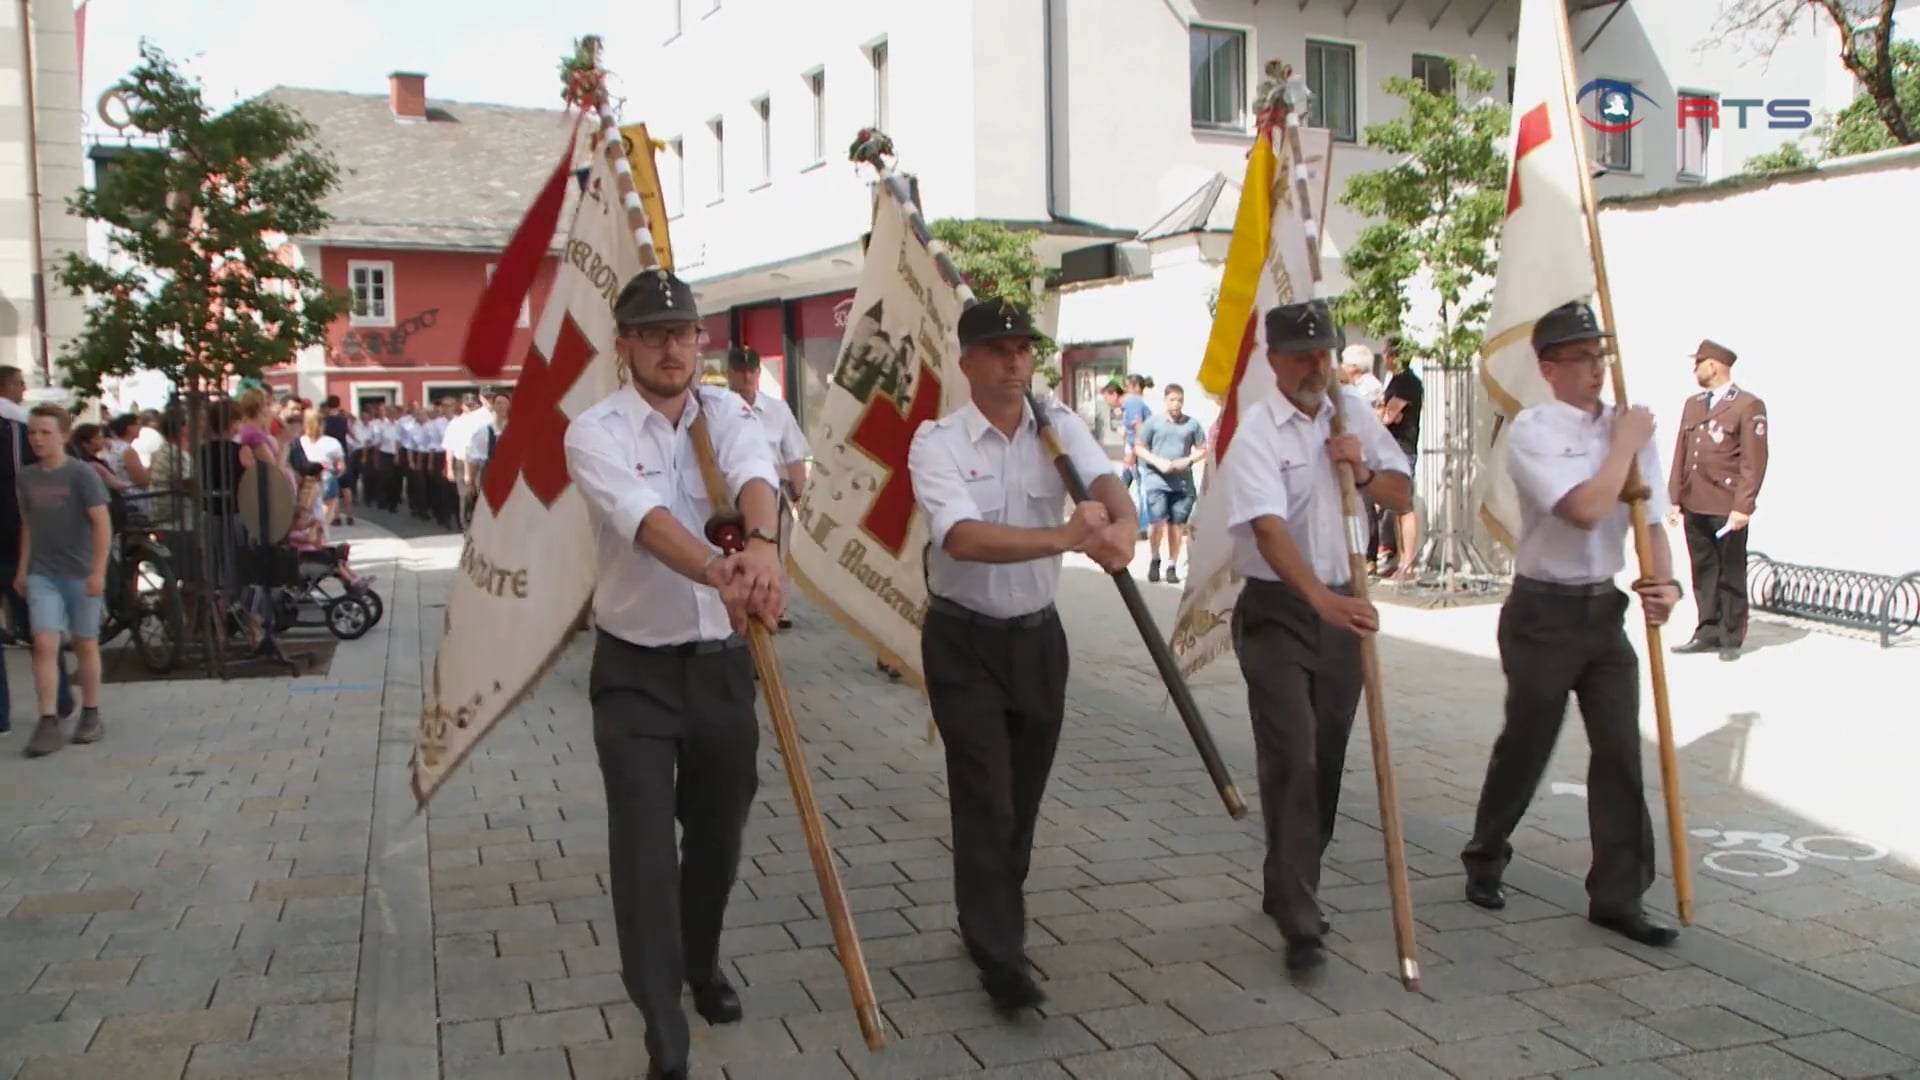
308,538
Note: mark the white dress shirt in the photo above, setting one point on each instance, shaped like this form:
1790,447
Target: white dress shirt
409,432
965,469
460,432
1553,449
479,450
629,460
1279,468
789,443
386,434
1716,396
434,437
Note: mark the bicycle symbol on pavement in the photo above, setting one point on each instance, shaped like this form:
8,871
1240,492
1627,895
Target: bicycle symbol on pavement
1783,853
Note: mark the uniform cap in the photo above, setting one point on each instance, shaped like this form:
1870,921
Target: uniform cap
990,319
743,358
1570,322
1713,350
1302,327
655,296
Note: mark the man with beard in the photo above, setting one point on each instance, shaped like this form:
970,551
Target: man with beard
1718,465
1297,626
993,650
671,680
1563,627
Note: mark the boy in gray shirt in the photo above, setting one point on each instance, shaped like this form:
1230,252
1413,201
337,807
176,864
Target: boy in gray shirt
65,537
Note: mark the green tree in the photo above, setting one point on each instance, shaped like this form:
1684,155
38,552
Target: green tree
999,262
1868,49
1861,127
202,224
1435,213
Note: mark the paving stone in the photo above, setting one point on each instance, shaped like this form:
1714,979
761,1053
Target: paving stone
1562,967
151,1031
158,1064
1745,1063
82,975
551,1029
1636,1070
1617,1041
1399,1065
1504,1057
1133,1025
1867,970
86,902
288,1040
915,1059
474,1039
1363,1034
1846,1054
1029,1041
1241,1053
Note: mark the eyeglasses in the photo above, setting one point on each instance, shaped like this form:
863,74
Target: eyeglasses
656,336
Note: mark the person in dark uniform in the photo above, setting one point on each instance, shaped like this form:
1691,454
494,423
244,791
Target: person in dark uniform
1296,625
671,681
1719,462
993,650
1563,627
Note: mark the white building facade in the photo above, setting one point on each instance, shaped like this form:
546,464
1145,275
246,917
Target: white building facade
1098,121
40,166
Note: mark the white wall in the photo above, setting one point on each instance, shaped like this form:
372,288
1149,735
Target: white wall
1164,316
57,97
1715,265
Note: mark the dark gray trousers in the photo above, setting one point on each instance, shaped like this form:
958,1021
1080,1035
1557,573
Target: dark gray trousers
1556,641
678,741
1303,686
999,696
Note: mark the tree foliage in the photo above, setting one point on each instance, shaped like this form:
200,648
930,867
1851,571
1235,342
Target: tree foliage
1857,129
1883,65
202,224
1434,214
999,262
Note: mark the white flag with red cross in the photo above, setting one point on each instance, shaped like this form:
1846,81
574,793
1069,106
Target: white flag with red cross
1544,257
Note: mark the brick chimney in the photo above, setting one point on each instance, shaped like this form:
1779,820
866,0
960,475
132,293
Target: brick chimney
407,95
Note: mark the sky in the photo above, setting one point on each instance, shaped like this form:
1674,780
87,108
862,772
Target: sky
496,51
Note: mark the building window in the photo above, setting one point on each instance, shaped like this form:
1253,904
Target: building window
371,284
526,305
877,55
1696,135
763,110
1331,70
1217,77
673,178
817,90
1612,151
1511,74
1433,72
718,128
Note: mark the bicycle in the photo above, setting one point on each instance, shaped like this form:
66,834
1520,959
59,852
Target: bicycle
1786,853
142,600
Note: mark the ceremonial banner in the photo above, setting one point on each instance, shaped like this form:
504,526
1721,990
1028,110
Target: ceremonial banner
1283,275
1544,257
640,148
526,571
860,549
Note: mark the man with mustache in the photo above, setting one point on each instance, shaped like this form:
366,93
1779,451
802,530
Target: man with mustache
671,682
993,650
1718,465
1297,624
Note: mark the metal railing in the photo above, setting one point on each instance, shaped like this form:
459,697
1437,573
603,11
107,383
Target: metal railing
1884,604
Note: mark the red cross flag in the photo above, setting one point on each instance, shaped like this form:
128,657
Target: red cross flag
526,571
1544,257
860,550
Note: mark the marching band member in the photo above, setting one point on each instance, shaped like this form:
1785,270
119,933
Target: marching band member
1563,627
672,682
993,649
1296,627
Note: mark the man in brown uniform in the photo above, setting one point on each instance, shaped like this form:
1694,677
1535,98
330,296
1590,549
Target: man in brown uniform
1718,465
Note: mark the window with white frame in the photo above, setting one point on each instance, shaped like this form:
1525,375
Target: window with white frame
1696,136
877,56
673,178
763,112
1612,150
371,287
526,305
1332,78
1512,72
1217,77
817,90
1434,73
717,127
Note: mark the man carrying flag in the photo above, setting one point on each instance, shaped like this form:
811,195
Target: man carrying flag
1556,464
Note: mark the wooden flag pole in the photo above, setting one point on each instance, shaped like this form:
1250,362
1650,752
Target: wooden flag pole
766,662
1635,495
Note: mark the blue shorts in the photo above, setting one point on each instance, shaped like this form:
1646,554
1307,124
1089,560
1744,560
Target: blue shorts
1169,504
60,605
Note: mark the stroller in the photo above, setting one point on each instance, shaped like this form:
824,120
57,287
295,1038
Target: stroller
308,583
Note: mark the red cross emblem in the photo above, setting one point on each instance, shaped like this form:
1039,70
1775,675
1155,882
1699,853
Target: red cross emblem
1536,130
885,436
533,443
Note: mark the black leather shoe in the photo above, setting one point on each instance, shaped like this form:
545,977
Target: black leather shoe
1012,991
1729,652
716,1002
655,1072
1305,954
1486,893
1695,646
1638,928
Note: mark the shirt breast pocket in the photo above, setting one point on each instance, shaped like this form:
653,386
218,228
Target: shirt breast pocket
983,484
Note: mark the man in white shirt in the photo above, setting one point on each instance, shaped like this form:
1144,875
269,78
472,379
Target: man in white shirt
1297,625
992,647
783,435
409,429
671,683
456,442
485,438
1563,627
388,451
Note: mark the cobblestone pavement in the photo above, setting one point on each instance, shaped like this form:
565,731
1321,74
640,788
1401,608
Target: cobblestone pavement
235,884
